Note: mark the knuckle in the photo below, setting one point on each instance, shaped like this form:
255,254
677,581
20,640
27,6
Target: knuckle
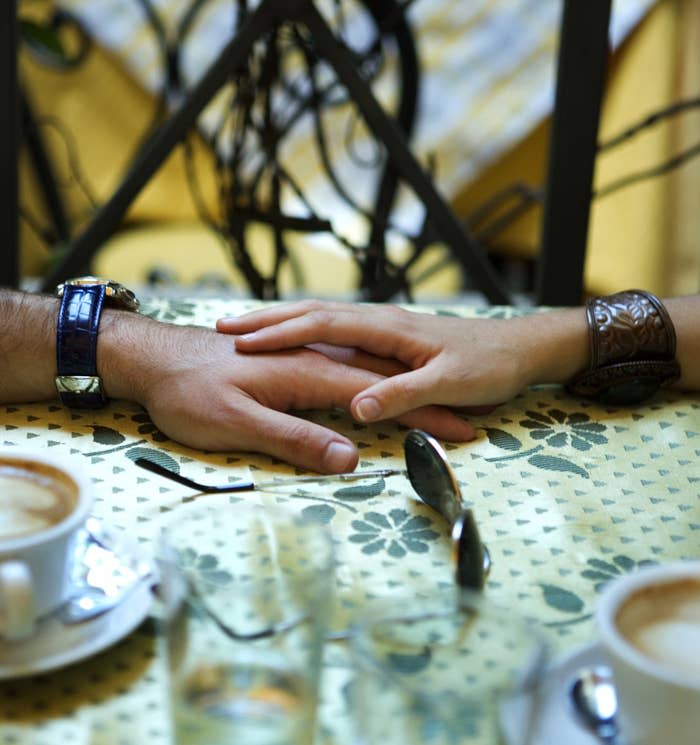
308,305
295,432
322,318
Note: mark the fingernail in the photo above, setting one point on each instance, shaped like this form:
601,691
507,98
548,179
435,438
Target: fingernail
368,409
339,457
248,336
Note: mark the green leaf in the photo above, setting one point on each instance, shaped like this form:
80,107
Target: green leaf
502,439
357,493
408,663
319,513
541,418
207,561
603,566
554,463
561,599
106,435
624,562
217,576
595,576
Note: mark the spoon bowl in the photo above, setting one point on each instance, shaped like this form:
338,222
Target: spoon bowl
431,475
595,702
434,481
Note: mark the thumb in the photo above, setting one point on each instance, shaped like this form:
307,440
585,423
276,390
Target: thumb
394,396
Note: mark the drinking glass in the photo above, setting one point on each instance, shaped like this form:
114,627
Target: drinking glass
248,590
438,670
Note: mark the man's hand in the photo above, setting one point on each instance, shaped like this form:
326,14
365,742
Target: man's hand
199,390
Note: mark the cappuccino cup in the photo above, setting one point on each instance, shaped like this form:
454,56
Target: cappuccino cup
649,624
43,503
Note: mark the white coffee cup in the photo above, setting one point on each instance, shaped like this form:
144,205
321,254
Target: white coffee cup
44,501
649,624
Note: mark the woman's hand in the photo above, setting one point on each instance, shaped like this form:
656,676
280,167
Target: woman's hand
451,361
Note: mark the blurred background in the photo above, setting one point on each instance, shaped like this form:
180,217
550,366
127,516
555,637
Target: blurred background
282,190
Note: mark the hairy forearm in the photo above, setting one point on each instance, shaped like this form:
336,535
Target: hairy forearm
135,352
27,347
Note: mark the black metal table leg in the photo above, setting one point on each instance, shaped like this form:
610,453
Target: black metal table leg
9,145
447,226
161,143
266,15
583,54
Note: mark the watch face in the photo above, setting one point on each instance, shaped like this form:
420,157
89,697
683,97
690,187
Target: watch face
87,280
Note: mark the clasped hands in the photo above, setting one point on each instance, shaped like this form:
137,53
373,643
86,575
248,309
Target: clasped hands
377,362
234,388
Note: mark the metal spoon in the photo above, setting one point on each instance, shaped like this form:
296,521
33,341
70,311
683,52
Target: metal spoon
471,558
435,483
168,473
595,701
104,572
431,475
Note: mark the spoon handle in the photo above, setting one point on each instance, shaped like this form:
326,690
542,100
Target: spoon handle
609,733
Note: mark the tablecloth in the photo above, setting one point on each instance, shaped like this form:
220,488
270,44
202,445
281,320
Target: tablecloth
568,494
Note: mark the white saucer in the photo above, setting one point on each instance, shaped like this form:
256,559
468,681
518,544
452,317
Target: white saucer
557,722
55,644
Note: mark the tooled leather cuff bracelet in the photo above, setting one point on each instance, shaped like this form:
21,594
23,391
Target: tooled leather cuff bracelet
633,348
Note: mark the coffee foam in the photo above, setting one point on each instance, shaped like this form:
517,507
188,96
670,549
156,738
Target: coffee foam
663,622
33,497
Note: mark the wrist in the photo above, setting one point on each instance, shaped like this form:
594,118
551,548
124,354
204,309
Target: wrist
556,347
124,351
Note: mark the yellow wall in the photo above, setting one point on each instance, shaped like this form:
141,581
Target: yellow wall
646,235
108,114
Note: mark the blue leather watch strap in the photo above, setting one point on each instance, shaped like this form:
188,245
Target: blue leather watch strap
76,343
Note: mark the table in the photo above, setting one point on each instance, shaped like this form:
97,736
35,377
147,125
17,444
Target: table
568,495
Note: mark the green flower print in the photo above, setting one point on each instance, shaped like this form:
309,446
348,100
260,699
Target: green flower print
167,310
396,533
204,566
601,572
559,429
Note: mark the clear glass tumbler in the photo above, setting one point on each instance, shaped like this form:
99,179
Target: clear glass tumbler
248,592
438,669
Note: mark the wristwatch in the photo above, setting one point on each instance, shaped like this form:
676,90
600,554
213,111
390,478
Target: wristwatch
82,300
633,348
